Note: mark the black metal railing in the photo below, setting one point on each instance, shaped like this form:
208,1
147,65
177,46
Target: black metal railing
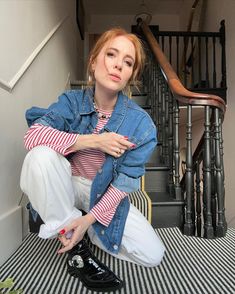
204,203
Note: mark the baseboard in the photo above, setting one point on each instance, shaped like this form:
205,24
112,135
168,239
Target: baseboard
10,232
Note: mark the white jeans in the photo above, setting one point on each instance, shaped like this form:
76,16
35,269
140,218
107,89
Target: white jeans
57,196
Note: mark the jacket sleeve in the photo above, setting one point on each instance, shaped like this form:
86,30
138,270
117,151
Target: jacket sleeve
61,115
132,166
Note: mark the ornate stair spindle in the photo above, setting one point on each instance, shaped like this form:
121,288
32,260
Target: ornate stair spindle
208,229
213,178
189,226
198,199
178,194
221,224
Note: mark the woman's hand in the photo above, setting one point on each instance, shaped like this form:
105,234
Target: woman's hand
108,142
78,227
113,144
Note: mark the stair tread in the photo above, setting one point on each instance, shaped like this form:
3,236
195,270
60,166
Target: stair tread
163,198
152,166
138,94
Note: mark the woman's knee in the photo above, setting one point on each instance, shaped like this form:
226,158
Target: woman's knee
40,154
39,161
155,258
151,255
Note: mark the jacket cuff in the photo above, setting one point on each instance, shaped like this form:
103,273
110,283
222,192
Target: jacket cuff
126,184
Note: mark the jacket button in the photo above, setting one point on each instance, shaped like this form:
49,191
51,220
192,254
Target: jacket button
100,170
98,195
102,232
115,247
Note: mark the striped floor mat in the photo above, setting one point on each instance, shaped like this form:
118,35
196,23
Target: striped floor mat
191,265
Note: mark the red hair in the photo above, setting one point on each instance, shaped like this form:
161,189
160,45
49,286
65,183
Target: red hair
109,36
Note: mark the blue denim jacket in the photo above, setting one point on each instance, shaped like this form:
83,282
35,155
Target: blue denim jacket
74,113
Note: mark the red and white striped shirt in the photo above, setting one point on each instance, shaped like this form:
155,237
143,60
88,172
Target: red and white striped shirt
84,163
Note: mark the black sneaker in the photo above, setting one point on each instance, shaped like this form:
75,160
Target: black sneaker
83,264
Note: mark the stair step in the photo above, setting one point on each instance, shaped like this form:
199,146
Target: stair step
163,198
156,178
145,107
155,159
166,211
140,99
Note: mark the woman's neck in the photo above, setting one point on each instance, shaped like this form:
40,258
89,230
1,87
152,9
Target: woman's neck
105,101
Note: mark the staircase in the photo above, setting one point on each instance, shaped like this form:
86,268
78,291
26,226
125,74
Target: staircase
166,210
193,201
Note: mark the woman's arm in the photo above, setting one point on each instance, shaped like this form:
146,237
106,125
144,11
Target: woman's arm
59,141
105,209
66,143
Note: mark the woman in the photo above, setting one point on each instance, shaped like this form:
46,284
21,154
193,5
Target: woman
88,152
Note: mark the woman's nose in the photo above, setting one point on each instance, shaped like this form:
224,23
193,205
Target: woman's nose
118,64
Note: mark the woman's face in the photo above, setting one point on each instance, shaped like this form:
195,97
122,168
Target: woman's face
114,64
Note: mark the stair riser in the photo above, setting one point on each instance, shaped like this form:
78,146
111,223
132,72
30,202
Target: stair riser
156,181
166,216
155,157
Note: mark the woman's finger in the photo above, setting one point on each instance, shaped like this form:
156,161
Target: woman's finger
63,240
77,237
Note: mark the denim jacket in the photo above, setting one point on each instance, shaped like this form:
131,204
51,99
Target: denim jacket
74,113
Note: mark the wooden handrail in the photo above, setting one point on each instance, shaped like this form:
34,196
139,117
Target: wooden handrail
180,92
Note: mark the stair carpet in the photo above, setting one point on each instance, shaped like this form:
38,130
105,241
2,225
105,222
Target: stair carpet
190,266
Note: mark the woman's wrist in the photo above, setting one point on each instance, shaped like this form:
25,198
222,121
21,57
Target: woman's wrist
90,217
86,141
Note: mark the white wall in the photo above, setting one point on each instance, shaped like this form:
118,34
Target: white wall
23,26
100,23
216,11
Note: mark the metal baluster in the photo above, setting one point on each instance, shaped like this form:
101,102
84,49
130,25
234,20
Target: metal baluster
163,119
223,54
192,62
177,55
178,194
214,64
213,178
160,108
170,144
189,226
199,63
208,229
170,49
198,200
163,44
184,62
207,64
154,94
221,224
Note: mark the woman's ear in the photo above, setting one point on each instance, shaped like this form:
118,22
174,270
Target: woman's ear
92,63
93,66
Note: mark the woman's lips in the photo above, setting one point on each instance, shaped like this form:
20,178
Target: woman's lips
115,77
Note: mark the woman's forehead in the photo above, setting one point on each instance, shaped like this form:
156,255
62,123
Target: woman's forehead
122,44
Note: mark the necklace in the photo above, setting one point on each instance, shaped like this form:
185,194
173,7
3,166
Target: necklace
101,113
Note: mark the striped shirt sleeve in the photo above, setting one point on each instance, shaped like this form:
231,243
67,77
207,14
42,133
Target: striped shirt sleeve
59,141
105,209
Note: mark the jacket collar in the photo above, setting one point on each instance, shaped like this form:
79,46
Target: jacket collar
87,101
118,114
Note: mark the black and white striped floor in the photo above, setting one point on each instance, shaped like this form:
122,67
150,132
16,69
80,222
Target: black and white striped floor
191,265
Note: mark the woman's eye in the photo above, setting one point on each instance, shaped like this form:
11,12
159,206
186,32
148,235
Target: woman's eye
110,54
129,63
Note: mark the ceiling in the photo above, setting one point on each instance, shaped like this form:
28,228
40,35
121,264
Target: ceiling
126,7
